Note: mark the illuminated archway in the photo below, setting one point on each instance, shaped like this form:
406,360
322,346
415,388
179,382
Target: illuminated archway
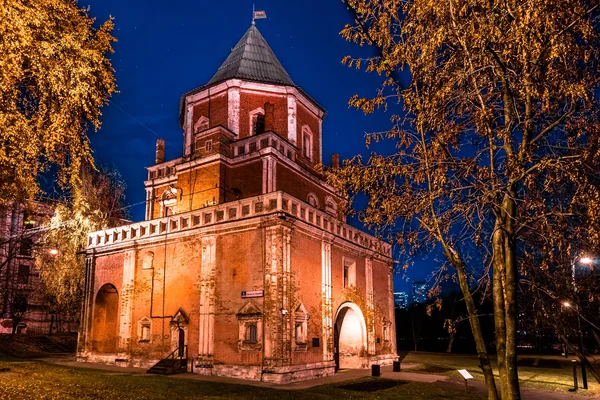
106,320
350,337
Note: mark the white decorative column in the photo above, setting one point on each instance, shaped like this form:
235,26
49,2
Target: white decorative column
207,303
188,130
326,303
370,308
233,110
269,174
286,291
391,312
125,323
271,309
320,140
278,289
292,133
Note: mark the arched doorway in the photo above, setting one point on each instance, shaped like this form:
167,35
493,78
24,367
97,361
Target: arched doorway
350,337
106,320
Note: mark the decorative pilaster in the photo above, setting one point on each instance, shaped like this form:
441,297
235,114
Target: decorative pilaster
127,292
391,312
326,300
189,131
278,289
370,307
233,109
292,133
207,301
269,173
85,328
286,291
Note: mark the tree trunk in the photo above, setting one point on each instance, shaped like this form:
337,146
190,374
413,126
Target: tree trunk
510,297
484,360
450,341
498,301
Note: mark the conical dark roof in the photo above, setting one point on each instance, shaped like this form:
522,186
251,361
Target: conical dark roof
252,59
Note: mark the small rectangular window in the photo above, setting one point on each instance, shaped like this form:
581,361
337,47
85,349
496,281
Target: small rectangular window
23,274
252,333
349,271
208,145
26,247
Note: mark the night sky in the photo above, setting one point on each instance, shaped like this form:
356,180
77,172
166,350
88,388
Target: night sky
165,49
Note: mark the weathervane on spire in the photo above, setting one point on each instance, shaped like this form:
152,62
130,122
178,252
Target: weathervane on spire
258,15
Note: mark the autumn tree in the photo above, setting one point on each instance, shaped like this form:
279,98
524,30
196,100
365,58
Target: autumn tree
97,205
54,78
496,116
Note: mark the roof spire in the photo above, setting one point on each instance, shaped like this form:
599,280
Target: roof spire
253,59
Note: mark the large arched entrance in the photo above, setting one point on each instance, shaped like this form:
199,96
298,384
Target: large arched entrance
350,337
106,319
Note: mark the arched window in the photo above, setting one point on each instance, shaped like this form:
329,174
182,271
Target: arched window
202,124
330,206
257,121
169,199
148,261
307,142
312,200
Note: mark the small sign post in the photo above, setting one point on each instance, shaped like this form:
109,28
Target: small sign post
466,376
252,293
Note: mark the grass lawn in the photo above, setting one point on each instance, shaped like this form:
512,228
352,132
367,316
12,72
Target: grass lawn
551,373
39,380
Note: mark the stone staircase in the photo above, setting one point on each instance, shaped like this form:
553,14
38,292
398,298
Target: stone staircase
174,363
169,366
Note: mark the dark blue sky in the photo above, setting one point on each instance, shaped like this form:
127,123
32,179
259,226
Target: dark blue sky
165,49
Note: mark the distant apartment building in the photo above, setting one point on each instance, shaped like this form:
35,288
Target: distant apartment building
400,300
21,298
419,294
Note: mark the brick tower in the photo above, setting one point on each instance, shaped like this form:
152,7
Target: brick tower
242,267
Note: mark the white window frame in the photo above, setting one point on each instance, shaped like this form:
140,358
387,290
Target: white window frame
144,322
301,318
351,264
148,260
330,206
201,125
307,151
313,196
169,199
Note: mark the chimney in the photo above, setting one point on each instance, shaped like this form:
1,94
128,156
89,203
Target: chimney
160,151
269,116
335,160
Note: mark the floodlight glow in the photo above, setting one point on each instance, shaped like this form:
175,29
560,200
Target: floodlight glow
586,260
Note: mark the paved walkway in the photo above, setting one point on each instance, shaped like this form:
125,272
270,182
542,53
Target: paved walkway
343,375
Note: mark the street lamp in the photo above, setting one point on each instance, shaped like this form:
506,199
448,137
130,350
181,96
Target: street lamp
53,252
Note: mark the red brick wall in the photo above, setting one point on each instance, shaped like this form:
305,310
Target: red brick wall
295,184
214,108
251,101
306,269
247,178
305,117
239,268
